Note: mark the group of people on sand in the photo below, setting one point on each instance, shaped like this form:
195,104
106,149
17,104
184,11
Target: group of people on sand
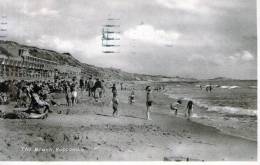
70,90
35,96
95,88
149,103
32,98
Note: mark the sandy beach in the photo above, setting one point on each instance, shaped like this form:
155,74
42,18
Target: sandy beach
88,131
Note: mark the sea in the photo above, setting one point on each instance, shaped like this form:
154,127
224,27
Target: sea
231,106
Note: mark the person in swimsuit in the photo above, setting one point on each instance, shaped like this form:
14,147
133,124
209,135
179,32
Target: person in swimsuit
149,102
175,106
115,103
189,109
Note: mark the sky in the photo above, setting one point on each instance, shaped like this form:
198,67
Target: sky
187,38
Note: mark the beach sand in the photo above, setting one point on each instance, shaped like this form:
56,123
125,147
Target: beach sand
89,132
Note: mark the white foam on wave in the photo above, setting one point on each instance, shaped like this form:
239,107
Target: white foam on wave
233,87
218,109
229,87
194,115
224,87
174,96
187,99
233,110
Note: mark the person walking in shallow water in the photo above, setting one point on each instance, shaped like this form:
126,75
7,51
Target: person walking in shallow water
149,102
175,106
189,109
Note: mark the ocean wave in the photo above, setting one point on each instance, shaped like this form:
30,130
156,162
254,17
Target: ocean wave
218,109
176,97
232,110
253,87
229,87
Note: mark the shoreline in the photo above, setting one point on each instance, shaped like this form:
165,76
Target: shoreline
222,129
90,127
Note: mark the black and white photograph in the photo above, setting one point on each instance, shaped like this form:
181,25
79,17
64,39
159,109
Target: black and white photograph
128,80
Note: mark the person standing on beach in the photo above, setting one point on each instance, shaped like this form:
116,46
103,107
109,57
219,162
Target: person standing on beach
121,84
74,93
90,86
103,87
86,85
81,84
115,103
189,109
114,90
132,97
67,92
149,102
98,87
210,88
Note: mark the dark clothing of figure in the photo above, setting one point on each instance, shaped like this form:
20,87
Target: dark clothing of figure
114,91
90,87
98,84
149,100
189,108
81,83
189,105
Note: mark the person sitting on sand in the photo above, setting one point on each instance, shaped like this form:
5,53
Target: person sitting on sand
22,115
149,102
115,103
175,106
189,109
37,105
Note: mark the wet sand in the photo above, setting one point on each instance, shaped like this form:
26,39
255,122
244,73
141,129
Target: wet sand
89,132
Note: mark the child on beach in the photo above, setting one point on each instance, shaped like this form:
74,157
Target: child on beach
115,103
132,97
149,102
175,106
188,112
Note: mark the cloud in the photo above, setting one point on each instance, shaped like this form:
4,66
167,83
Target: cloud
147,33
80,48
195,57
178,37
195,6
247,56
55,42
242,56
39,12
